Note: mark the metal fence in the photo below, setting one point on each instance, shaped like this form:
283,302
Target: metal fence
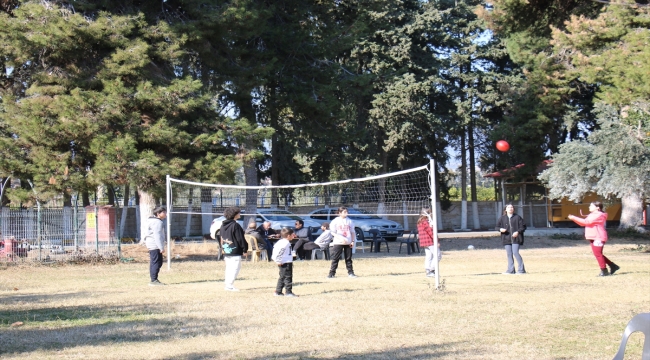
56,234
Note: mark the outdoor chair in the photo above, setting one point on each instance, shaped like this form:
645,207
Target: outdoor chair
411,242
326,253
253,248
376,241
357,241
312,230
640,322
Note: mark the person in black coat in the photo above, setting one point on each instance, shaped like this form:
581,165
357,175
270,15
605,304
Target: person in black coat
512,227
265,230
234,245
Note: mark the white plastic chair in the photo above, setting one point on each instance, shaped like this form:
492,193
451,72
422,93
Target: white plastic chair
325,253
640,322
354,249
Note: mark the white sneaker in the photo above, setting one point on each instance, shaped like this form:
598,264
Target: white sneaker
231,289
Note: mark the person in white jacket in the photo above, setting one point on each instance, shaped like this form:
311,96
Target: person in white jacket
155,242
343,238
283,257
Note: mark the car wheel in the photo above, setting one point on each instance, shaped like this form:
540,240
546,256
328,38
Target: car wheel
391,239
359,234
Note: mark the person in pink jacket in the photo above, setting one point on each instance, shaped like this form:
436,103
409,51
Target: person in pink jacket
595,232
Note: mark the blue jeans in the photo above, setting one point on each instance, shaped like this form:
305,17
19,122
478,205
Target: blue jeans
513,250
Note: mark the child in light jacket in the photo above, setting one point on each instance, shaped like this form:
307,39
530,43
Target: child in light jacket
283,257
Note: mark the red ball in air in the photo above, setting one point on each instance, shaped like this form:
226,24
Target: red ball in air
503,146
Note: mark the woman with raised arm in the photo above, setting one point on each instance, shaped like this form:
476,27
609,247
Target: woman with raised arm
596,234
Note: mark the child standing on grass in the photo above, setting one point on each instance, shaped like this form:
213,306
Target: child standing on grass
283,257
425,234
344,236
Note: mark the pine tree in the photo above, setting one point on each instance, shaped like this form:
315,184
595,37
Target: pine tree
549,107
612,162
105,99
610,50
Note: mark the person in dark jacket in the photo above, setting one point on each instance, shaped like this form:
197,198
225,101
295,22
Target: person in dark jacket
234,246
512,227
265,230
304,237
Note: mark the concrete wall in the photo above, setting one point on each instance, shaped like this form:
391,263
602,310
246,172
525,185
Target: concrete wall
450,218
57,223
487,211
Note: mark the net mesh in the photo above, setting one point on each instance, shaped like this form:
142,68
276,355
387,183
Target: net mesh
396,196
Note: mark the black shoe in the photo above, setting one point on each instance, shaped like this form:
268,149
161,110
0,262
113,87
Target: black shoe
291,295
603,272
156,283
330,276
613,268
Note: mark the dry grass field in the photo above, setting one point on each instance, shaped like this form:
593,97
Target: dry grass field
559,310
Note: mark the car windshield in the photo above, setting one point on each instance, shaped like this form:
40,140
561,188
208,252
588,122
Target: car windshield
361,214
279,215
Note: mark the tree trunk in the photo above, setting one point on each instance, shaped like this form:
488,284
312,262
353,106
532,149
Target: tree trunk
206,210
463,182
250,172
125,209
275,157
631,212
85,198
147,204
110,192
472,178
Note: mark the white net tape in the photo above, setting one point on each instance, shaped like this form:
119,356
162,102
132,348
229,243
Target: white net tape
401,193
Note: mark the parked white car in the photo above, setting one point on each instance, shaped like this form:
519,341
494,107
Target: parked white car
363,220
279,218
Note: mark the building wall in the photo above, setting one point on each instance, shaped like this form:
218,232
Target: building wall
58,223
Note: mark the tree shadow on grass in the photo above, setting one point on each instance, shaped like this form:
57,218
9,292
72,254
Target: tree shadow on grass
111,326
195,282
37,298
432,351
75,313
197,257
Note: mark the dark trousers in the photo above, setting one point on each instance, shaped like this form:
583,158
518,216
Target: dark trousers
286,278
155,263
336,251
269,248
299,247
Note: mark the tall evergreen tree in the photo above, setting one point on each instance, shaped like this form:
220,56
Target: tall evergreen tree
106,100
609,50
549,107
613,162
